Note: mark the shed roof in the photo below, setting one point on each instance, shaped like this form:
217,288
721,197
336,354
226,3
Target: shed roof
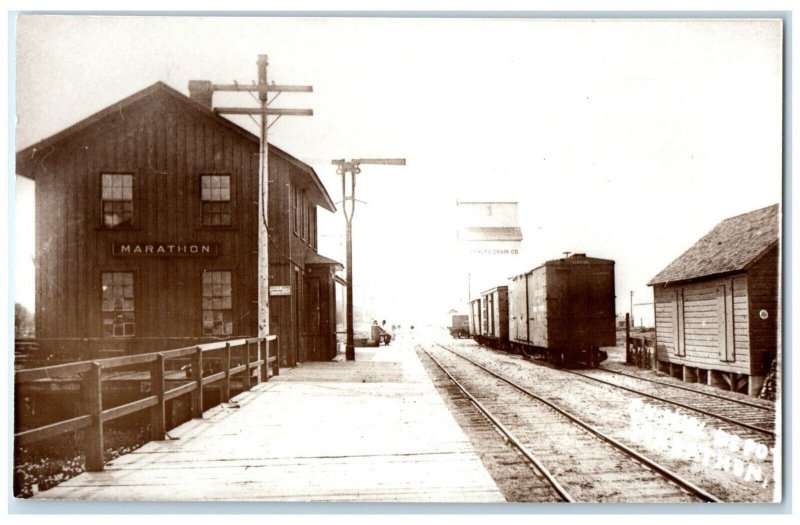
315,258
26,156
732,246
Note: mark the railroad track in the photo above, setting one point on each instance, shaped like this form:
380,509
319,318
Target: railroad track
736,412
578,462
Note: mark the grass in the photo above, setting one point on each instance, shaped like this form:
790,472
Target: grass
44,465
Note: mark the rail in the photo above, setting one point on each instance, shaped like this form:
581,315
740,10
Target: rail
667,473
91,391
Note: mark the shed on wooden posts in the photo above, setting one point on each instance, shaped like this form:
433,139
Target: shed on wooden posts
717,306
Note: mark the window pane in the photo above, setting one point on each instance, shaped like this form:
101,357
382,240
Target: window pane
117,199
117,304
217,303
108,327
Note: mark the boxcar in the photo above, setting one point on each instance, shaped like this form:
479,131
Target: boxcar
492,329
459,326
564,310
475,318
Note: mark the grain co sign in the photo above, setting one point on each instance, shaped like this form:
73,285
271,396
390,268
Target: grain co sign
164,249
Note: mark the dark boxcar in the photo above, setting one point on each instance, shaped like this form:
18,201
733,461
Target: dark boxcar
459,326
493,329
564,310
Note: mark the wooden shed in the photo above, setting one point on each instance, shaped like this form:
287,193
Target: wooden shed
717,306
146,234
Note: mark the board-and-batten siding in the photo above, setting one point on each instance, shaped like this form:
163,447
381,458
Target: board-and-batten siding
763,293
705,332
166,148
282,247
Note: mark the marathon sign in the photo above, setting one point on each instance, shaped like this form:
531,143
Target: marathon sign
165,249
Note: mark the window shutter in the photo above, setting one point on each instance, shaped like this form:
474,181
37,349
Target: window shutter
725,322
678,324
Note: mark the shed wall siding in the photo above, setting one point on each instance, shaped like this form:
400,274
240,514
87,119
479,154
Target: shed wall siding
763,293
705,333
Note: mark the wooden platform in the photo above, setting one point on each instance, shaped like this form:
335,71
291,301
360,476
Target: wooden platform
370,430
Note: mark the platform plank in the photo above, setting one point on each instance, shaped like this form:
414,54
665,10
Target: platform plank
370,430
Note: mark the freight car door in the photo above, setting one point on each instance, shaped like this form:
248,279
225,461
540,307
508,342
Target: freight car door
560,331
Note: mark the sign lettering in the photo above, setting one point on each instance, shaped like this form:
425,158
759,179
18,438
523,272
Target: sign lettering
163,249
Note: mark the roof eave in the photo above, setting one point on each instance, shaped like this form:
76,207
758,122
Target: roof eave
23,163
692,280
326,201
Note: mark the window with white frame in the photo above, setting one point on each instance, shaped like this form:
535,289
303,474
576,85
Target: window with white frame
117,199
118,311
217,303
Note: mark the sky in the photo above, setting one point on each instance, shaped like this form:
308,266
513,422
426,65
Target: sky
622,139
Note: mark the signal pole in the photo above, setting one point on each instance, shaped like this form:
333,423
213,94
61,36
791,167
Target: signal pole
352,167
633,319
263,89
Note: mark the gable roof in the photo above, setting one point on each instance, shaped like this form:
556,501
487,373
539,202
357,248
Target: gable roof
732,246
26,156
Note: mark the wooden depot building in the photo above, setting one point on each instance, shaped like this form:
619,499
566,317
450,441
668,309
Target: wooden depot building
716,306
146,234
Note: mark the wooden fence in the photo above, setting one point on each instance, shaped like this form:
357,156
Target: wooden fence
640,351
91,392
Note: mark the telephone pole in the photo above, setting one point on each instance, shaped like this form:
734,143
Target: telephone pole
264,90
352,167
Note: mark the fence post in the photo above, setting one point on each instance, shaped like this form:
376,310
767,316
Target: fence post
92,394
226,383
627,339
263,355
197,377
246,375
157,429
276,365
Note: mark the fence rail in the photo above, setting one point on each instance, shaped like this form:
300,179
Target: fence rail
640,351
91,373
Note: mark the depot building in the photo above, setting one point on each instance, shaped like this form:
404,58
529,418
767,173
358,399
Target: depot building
146,234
